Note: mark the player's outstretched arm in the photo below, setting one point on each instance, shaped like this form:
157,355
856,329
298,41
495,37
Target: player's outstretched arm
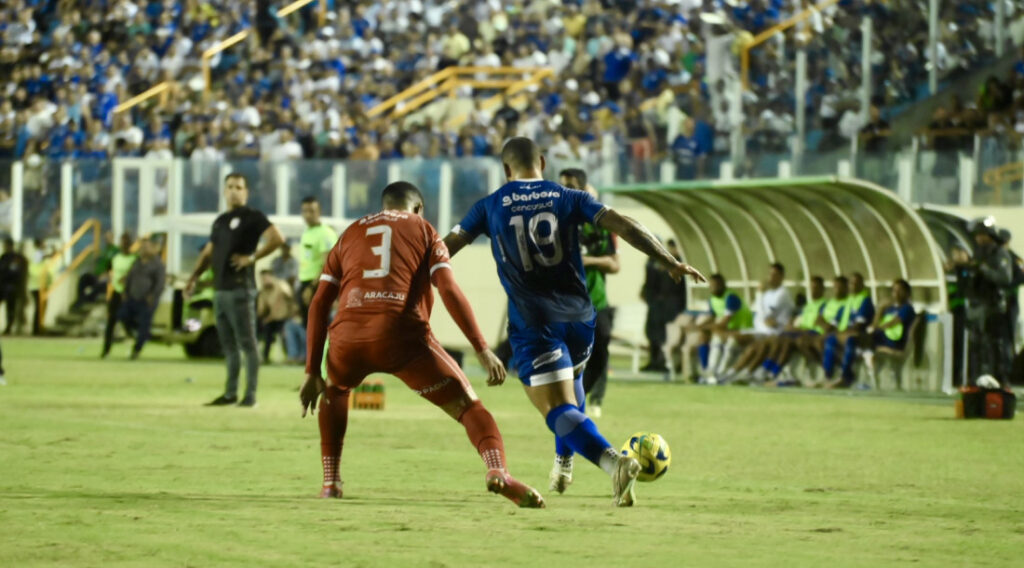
643,240
316,337
457,305
455,242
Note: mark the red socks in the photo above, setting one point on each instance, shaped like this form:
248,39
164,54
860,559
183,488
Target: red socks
484,435
333,422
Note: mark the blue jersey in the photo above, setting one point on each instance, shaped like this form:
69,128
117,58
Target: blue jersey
533,226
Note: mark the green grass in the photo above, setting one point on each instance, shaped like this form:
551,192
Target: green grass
116,463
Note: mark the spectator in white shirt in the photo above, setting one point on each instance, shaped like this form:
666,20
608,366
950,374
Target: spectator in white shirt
774,308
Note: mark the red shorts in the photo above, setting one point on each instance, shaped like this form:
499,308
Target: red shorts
421,363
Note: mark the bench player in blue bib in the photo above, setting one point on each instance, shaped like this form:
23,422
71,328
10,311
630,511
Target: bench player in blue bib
532,224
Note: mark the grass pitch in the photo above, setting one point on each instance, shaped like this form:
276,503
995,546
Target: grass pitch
116,463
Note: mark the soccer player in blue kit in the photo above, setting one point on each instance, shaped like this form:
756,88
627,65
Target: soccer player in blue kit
532,224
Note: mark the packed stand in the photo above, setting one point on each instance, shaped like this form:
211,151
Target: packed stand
298,90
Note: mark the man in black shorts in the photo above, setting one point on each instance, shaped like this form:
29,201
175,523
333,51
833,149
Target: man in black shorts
233,251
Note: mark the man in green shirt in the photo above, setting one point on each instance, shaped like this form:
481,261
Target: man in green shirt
317,240
120,264
729,314
92,284
599,259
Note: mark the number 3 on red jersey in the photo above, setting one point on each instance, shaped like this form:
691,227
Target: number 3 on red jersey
383,250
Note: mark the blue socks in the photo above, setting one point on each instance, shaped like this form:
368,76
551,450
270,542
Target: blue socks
577,431
771,366
562,447
703,350
849,357
828,358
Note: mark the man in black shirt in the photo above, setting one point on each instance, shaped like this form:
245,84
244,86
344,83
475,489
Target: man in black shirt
232,252
665,300
13,275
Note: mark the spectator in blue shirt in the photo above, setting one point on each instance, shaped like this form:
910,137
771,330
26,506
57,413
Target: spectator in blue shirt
617,64
688,154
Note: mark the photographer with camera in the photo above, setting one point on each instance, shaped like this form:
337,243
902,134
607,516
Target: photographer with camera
986,280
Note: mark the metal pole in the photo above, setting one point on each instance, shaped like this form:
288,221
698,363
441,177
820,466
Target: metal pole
67,207
282,178
175,207
933,43
801,106
866,32
1000,27
117,198
736,139
339,179
17,200
444,198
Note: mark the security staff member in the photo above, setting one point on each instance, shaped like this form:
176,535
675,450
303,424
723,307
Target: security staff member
988,277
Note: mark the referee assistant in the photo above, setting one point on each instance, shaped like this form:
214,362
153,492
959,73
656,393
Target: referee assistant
232,252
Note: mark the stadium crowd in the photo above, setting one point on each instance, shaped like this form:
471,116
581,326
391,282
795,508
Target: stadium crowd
295,89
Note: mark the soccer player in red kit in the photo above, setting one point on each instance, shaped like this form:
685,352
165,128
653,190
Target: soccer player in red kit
380,271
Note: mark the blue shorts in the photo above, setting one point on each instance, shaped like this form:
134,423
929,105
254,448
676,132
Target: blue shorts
547,354
796,334
880,339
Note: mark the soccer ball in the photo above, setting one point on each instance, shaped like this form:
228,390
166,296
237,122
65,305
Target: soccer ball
652,451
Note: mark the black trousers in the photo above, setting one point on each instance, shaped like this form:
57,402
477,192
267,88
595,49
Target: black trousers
36,328
271,331
303,286
113,307
990,347
959,336
657,318
595,376
10,301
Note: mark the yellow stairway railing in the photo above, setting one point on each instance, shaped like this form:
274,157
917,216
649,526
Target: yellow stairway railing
164,87
48,284
776,29
510,80
1000,176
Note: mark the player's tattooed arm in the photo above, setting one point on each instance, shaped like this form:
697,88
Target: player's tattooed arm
643,240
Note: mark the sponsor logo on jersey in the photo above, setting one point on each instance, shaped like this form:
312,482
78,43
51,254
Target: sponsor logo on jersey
386,214
233,224
383,295
355,298
532,196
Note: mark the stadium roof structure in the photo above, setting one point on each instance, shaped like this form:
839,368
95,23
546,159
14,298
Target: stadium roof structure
813,225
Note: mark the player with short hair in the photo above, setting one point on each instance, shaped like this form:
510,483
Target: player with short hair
315,243
380,272
728,314
533,227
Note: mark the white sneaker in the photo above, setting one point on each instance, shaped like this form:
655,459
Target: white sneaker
594,411
3,381
624,480
560,477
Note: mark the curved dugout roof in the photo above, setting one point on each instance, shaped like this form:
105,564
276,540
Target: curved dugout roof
814,226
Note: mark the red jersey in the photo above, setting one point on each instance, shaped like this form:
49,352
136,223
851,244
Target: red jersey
382,264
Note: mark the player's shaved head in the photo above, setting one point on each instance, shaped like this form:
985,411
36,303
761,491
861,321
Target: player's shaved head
522,158
403,196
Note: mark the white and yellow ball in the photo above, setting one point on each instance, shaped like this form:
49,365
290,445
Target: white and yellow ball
653,453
